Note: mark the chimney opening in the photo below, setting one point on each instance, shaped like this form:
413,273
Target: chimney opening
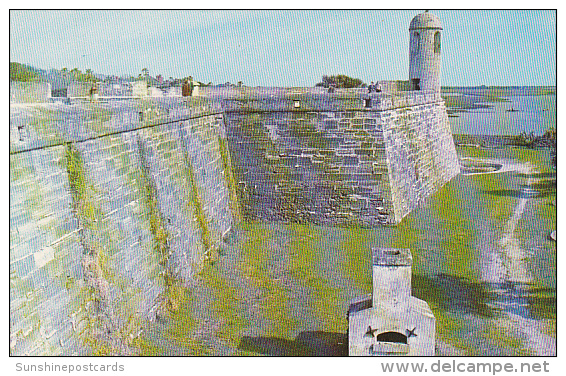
391,337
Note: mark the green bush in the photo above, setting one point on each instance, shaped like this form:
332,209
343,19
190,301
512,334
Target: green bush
340,81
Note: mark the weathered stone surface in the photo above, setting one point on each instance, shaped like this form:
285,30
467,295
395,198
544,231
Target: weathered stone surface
111,217
392,321
29,92
114,201
45,275
371,167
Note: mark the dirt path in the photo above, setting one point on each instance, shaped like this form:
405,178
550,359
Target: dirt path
507,265
515,258
504,165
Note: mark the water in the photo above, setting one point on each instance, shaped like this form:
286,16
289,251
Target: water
535,114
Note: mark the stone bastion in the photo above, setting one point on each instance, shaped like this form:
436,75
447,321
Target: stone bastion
114,203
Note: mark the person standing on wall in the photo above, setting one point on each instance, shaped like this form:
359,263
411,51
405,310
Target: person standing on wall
185,89
191,86
188,87
377,87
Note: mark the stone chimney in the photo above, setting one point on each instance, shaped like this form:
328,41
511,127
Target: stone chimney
391,321
392,285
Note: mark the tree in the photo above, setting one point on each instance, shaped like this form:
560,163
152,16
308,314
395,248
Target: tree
340,81
88,76
550,136
526,140
21,72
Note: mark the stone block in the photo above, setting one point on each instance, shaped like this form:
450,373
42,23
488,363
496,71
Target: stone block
393,322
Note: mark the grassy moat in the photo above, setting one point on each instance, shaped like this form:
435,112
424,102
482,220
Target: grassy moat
284,289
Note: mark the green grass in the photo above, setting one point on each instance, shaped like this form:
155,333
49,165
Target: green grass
255,265
304,266
407,235
500,337
96,118
472,152
457,239
357,262
196,203
226,304
181,323
498,204
45,125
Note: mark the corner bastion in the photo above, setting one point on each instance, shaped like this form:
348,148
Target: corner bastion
340,158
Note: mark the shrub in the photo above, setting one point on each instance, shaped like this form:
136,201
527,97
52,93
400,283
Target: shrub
340,81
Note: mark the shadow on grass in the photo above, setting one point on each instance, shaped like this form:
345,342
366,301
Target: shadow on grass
505,193
542,303
308,343
545,187
451,293
539,175
457,294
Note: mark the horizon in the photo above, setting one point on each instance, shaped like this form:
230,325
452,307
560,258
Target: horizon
225,45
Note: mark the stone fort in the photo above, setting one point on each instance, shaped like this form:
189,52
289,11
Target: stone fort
115,202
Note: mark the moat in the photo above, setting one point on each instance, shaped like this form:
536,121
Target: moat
283,289
155,217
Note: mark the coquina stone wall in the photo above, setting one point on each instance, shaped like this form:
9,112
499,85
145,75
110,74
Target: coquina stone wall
107,224
115,204
341,158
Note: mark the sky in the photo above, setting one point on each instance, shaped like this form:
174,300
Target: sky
287,48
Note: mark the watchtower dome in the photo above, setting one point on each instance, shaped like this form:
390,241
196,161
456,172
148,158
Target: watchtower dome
424,52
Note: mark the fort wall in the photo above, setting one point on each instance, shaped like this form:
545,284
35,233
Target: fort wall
343,158
114,204
29,92
103,222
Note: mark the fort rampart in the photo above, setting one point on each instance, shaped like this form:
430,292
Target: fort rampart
113,204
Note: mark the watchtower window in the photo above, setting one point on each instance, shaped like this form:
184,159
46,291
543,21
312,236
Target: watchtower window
391,337
437,42
367,102
416,42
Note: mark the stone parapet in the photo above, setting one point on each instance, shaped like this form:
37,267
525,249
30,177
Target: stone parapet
29,92
315,99
121,218
323,163
50,124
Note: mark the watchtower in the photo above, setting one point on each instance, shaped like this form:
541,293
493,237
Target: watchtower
424,52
